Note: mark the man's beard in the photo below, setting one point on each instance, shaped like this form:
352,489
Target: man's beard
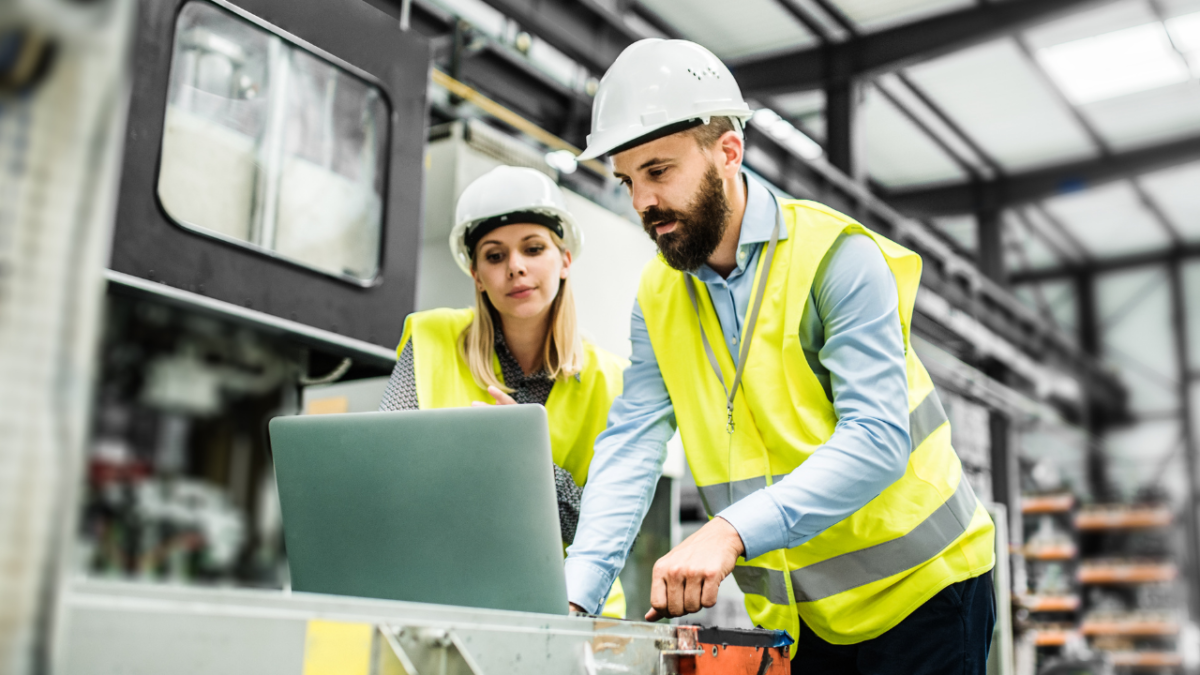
698,230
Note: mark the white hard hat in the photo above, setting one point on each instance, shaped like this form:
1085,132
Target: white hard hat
507,195
656,88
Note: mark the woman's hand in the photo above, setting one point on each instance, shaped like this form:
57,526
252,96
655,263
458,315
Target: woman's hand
501,398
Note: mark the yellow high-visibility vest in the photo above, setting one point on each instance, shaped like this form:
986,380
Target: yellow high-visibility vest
577,406
865,574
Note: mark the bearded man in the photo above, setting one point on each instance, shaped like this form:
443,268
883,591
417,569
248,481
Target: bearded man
774,334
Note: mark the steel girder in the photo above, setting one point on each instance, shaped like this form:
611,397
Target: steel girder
1031,186
505,77
1096,266
893,48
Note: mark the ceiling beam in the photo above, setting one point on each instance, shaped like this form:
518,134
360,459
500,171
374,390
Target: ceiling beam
584,30
1032,186
500,73
1174,254
893,48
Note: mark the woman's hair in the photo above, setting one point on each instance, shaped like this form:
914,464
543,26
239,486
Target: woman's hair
562,350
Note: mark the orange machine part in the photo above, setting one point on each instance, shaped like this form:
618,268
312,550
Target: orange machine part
732,660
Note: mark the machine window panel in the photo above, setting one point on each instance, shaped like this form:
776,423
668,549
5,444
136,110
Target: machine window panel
272,147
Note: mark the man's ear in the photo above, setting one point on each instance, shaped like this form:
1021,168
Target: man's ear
731,148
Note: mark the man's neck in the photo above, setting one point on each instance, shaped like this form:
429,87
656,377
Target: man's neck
724,259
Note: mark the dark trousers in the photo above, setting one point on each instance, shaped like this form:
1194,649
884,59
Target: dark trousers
949,635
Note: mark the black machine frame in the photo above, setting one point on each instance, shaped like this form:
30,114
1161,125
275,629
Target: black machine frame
150,245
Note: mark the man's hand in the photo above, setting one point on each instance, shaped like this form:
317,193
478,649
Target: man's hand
575,608
687,578
501,398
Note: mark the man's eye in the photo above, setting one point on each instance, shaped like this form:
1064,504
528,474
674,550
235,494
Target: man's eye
657,173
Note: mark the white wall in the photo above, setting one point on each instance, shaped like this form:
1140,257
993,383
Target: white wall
605,275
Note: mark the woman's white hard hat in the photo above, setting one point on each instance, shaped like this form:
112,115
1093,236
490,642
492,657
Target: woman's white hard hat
508,195
658,87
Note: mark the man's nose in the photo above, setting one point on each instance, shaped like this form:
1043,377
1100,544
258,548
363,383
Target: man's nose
643,198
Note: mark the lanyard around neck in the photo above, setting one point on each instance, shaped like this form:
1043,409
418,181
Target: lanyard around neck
748,333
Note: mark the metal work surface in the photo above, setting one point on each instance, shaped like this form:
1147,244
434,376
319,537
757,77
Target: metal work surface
111,627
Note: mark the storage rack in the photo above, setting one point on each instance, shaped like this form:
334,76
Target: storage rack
1131,607
1051,601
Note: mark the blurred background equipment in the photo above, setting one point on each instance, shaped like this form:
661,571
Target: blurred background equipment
283,187
62,105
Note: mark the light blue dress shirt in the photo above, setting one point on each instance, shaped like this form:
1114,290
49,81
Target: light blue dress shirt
851,336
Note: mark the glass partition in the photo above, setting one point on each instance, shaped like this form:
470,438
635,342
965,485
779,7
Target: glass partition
270,146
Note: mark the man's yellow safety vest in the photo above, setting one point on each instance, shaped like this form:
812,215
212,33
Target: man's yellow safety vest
865,574
577,407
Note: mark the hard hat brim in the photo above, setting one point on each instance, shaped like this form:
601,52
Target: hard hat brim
621,140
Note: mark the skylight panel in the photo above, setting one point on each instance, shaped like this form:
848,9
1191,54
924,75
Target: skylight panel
1115,64
1185,33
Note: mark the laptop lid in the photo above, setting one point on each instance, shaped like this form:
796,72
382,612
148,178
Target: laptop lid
453,506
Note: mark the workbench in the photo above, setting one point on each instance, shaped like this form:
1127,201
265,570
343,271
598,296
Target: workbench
109,627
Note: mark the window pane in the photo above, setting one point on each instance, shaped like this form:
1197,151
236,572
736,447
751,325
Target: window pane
270,146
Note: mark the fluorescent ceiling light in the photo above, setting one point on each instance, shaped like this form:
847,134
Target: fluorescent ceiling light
562,160
787,135
1115,64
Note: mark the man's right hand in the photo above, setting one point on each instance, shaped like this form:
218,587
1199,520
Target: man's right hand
686,579
575,608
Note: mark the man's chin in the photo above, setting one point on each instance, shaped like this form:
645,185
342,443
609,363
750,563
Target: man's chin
674,261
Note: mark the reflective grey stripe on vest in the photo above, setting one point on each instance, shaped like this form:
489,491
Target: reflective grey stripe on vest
716,497
922,421
926,418
858,568
762,581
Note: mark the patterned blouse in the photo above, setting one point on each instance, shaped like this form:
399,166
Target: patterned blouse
401,394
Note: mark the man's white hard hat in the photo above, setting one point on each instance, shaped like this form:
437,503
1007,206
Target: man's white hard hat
508,195
658,87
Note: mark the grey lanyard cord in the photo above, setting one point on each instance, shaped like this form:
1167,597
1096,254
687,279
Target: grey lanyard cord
765,263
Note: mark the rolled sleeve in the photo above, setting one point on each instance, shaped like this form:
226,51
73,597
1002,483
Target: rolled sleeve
759,521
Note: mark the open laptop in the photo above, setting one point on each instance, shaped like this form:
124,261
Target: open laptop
453,506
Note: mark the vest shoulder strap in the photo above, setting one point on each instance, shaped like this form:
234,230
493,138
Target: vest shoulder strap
435,324
603,361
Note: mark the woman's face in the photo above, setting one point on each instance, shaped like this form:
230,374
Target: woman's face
520,268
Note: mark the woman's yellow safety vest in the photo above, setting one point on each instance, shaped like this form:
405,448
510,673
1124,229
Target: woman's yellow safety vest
865,574
577,407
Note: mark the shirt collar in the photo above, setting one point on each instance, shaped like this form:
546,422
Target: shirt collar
759,218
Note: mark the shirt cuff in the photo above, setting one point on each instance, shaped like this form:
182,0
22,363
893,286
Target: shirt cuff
759,522
587,584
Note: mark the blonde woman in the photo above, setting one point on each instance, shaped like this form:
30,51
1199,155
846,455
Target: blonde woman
520,344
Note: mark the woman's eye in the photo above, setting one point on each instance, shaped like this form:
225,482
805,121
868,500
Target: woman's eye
535,250
493,257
